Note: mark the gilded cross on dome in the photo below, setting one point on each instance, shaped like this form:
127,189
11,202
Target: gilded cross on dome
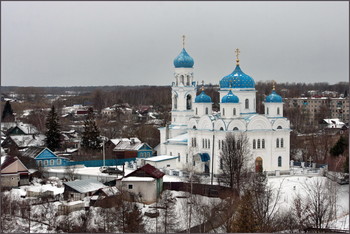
237,54
273,85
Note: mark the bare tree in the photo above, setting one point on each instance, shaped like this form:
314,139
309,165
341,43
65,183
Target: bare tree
70,172
234,158
169,217
316,207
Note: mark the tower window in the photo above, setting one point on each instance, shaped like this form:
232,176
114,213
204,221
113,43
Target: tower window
277,143
235,129
278,110
254,144
196,111
280,161
223,111
221,129
281,142
258,143
234,111
189,102
263,143
206,110
267,110
247,103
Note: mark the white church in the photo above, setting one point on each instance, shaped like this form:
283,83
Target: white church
196,133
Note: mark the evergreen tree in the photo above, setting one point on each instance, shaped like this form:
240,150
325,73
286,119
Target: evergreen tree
53,140
91,135
339,147
7,113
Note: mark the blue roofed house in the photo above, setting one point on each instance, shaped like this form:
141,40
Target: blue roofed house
47,158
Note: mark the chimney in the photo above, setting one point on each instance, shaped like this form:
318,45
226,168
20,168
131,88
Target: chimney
132,141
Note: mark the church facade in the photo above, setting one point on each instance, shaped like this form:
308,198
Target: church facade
196,133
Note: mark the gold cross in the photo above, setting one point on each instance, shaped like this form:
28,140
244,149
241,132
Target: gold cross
183,41
273,85
237,54
202,85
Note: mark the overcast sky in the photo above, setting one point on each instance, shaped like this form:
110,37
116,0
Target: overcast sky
135,43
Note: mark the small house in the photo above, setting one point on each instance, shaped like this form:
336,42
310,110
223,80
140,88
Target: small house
13,172
78,189
132,148
47,158
146,183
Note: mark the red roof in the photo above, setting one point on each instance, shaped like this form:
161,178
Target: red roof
146,171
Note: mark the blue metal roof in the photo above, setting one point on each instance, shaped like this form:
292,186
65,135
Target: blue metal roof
204,157
202,98
183,60
273,97
230,98
237,79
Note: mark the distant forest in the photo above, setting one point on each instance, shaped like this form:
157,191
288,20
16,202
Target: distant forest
104,96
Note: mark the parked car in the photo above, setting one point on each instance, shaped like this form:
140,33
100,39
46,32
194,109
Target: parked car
111,170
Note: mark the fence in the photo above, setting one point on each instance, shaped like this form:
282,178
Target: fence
200,189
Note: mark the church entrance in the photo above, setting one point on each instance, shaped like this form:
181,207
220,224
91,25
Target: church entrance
258,164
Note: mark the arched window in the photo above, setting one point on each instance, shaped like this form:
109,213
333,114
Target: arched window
221,129
208,144
202,143
235,129
182,79
189,102
206,110
188,81
196,111
258,143
254,144
234,111
263,143
267,110
279,127
277,143
247,103
278,110
223,111
280,161
281,142
194,127
175,102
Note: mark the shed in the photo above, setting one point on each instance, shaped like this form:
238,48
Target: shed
78,189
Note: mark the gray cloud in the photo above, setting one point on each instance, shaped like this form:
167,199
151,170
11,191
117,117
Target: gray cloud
134,43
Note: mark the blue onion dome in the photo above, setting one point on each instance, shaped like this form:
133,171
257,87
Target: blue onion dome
238,79
183,60
273,97
202,98
230,98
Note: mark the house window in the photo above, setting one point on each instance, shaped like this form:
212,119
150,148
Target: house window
254,144
263,143
247,103
223,111
141,155
258,143
281,142
206,110
45,162
234,111
59,161
130,186
278,110
280,161
51,162
277,143
39,163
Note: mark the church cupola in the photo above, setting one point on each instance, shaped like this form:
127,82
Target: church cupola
230,106
242,86
273,104
202,104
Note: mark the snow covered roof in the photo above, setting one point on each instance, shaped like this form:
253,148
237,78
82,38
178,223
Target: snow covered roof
115,141
179,138
161,158
147,170
29,140
33,151
46,187
129,144
110,191
135,178
84,186
334,123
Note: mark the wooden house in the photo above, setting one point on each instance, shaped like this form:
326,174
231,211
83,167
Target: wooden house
13,172
78,189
